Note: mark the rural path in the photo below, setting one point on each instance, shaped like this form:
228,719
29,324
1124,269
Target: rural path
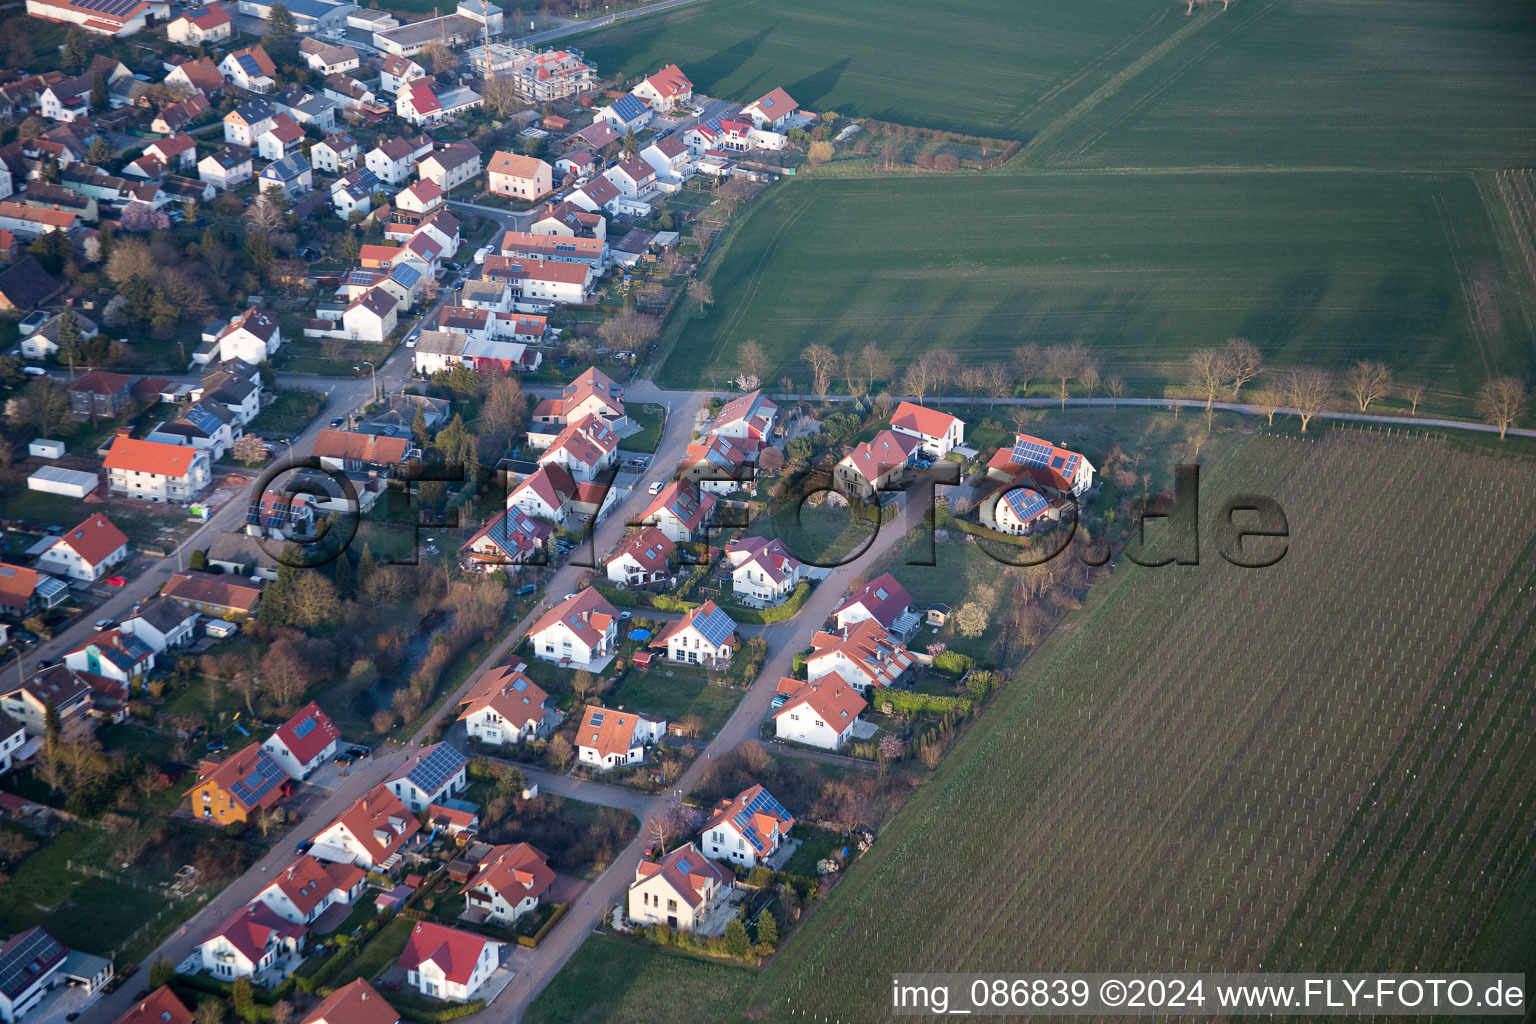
1188,403
365,776
575,27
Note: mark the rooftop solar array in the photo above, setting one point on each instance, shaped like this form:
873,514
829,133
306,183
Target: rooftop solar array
30,957
1026,504
597,719
305,727
111,8
202,419
1029,451
716,627
266,776
434,770
248,64
762,803
629,107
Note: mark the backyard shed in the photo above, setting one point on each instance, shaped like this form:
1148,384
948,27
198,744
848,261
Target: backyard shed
72,483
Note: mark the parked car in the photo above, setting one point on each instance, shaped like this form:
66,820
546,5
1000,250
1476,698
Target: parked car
215,745
117,581
358,752
304,847
343,759
655,488
526,588
338,421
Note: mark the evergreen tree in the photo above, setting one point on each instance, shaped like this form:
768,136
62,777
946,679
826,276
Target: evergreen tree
344,575
100,99
366,565
736,942
274,608
631,144
100,151
768,928
281,40
68,338
77,53
52,250
419,431
258,250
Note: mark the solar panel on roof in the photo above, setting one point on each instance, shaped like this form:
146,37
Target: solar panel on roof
305,727
262,779
1025,503
683,866
434,770
597,718
1031,452
21,962
716,627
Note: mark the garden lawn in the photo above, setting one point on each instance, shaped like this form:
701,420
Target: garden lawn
382,950
651,419
1324,268
635,982
291,413
817,534
985,67
816,844
672,697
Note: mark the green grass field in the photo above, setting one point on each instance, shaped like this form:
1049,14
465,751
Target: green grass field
1324,83
985,67
1142,268
614,979
1326,762
672,697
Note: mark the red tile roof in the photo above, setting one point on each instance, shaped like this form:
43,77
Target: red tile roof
159,1007
203,588
308,881
922,420
319,732
686,870
830,697
357,1003
515,871
250,928
379,822
586,614
172,460
611,735
670,81
507,691
454,952
95,539
649,547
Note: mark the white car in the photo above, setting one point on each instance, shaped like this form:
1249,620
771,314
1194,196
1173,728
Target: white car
482,252
656,487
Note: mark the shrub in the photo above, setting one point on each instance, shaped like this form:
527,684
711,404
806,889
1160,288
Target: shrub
952,663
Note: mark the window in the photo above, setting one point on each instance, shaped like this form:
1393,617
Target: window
671,906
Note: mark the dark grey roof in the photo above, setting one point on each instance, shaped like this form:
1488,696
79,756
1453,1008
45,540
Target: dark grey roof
239,549
164,614
25,284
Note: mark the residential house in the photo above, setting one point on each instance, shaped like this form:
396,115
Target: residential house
201,28
353,192
576,163
512,537
113,654
236,788
446,963
669,158
281,514
1019,510
584,449
875,465
610,739
87,552
704,636
250,69
252,942
43,195
821,713
309,887
599,194
719,134
681,891
395,72
292,174
626,115
420,200
25,285
938,432
360,453
210,427
58,687
548,494
435,773
881,599
328,58
254,336
549,76
227,169
1047,467
748,829
763,572
354,1003
864,654
771,111
394,160
505,706
178,151
249,122
23,590
181,115
748,418
31,961
240,396
719,465
161,623
666,90
336,154
304,742
451,166
281,139
159,1007
644,558
519,177
371,316
543,280
32,222
100,393
417,103
509,883
679,511
568,219
369,833
13,736
199,75
633,177
154,471
527,244
579,632
348,94
218,597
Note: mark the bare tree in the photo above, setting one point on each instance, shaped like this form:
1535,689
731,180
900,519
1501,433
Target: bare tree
877,365
1415,395
1019,416
702,294
752,359
1308,389
560,751
1368,381
853,375
944,366
1206,372
1501,401
1027,362
630,331
1116,389
1241,360
1062,364
823,362
671,821
1270,401
1089,376
917,379
972,380
999,382
43,405
500,95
